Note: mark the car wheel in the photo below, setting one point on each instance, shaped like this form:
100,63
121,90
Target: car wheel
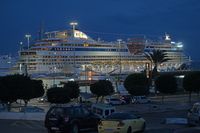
129,130
75,129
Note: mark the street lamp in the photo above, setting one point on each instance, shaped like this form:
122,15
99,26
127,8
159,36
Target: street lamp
28,36
119,50
119,75
54,77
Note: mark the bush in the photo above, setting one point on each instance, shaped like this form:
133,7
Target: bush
137,84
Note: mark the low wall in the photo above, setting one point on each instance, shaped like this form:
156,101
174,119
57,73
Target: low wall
22,116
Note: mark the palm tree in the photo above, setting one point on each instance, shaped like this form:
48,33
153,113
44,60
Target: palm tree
156,57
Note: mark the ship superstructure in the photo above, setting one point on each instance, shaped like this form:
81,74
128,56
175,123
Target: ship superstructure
74,52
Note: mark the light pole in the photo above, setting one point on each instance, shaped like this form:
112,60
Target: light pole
119,50
120,67
54,77
28,36
20,65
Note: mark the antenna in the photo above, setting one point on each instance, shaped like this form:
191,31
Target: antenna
73,24
41,31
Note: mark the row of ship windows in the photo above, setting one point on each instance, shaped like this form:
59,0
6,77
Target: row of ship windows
86,45
89,49
78,49
61,64
75,45
27,53
83,57
68,60
58,65
72,62
168,51
83,61
77,58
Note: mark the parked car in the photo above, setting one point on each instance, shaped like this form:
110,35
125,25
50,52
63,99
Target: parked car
193,115
70,118
140,99
121,123
114,101
32,109
127,98
102,110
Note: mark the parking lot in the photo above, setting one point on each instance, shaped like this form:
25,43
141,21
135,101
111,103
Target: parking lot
155,114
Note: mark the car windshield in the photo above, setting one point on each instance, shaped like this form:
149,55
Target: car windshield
121,116
61,111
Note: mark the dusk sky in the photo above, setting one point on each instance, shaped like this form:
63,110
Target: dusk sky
179,18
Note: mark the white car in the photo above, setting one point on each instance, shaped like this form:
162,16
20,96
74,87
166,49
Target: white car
114,101
121,122
140,99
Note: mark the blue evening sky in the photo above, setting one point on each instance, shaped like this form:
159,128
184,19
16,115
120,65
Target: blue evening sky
179,18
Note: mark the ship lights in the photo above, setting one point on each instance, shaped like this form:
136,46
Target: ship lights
179,45
167,37
79,34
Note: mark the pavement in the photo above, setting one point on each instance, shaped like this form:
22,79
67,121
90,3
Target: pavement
153,107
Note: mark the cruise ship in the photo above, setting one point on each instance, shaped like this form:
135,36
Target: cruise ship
74,52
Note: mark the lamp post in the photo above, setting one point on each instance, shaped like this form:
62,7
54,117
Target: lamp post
28,36
120,65
54,77
119,50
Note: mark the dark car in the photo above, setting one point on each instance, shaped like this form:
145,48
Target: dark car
126,98
70,119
